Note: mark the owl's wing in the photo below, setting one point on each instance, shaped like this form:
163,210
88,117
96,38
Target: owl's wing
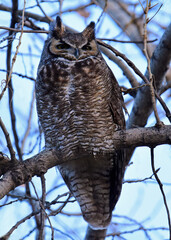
117,172
116,102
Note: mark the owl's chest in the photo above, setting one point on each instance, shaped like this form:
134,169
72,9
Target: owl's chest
76,85
78,98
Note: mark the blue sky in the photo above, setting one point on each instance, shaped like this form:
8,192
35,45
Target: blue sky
139,201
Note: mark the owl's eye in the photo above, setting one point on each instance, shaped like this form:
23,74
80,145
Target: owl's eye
87,47
63,46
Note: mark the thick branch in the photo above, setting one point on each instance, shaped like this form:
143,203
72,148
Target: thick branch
22,172
137,137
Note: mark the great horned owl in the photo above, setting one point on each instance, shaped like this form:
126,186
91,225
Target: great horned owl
79,105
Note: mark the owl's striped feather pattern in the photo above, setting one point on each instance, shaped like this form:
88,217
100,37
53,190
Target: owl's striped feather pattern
79,106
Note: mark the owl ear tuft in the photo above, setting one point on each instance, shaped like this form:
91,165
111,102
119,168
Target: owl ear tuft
89,31
58,28
59,23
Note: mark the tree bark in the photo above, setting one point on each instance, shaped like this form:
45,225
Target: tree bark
21,172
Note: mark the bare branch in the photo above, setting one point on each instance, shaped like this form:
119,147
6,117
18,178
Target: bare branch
10,69
22,172
28,124
130,24
135,137
20,75
152,91
7,235
77,8
9,144
49,18
27,14
135,230
123,41
138,72
126,71
15,56
159,64
161,189
24,31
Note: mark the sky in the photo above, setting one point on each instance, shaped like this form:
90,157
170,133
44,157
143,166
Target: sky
139,202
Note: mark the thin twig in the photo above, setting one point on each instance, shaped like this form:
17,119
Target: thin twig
128,90
14,20
141,180
125,41
55,212
151,76
122,65
156,11
28,234
76,9
71,214
165,87
131,220
138,72
161,189
27,14
65,234
23,31
141,5
29,123
9,144
58,197
38,4
15,55
42,213
7,235
60,7
136,230
9,203
104,9
20,75
43,208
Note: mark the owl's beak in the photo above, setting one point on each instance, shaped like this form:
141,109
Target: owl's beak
77,53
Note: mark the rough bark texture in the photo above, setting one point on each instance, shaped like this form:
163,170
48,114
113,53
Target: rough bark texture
22,172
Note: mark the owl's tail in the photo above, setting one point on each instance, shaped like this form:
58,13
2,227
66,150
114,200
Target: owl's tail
92,234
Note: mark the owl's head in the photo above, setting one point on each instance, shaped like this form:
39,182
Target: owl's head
72,46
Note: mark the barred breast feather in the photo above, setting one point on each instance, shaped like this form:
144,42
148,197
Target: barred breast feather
79,106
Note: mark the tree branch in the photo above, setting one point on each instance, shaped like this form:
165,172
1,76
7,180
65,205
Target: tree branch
159,64
145,79
130,24
124,67
27,14
137,137
161,189
22,172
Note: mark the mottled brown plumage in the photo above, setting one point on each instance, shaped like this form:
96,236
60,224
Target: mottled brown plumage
79,105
